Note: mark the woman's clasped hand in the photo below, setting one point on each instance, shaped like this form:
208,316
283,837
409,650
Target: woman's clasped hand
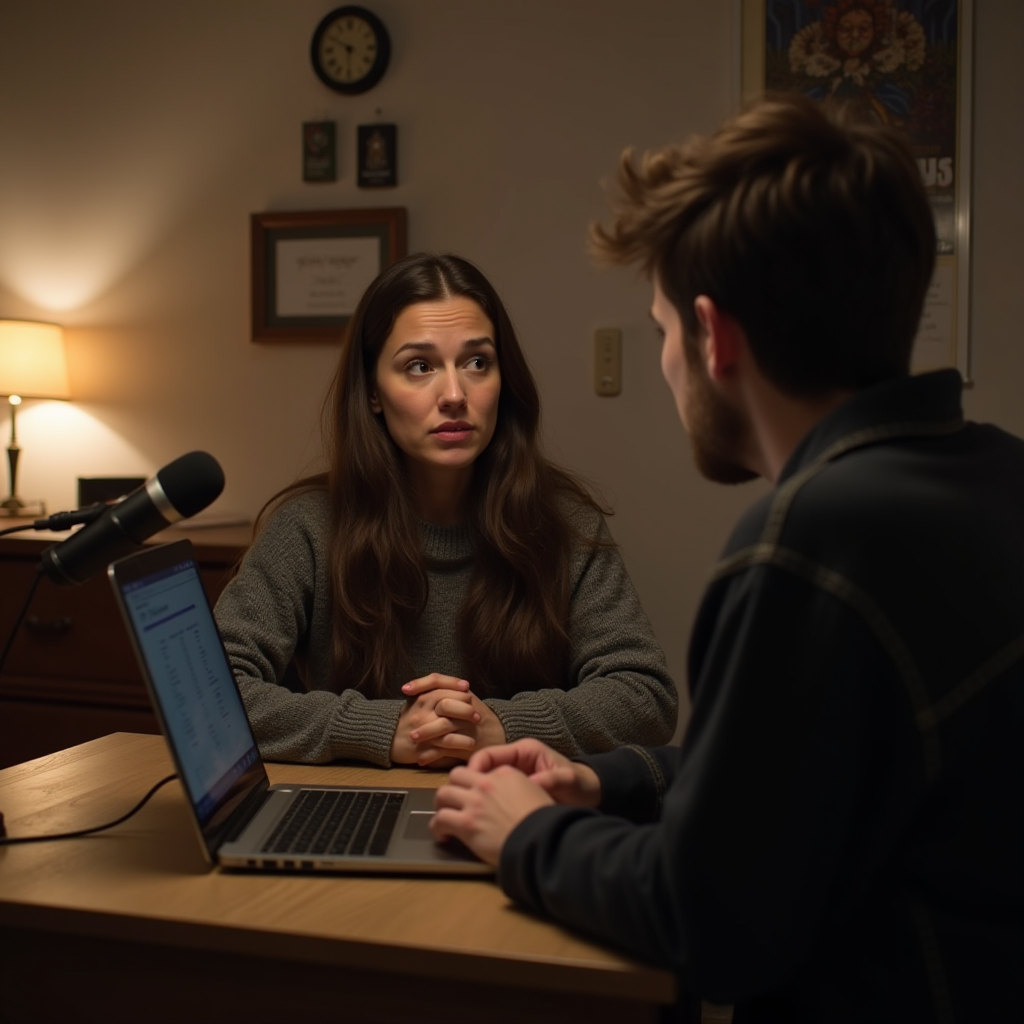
442,723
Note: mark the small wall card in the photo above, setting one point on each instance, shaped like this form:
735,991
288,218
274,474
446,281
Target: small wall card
378,155
319,152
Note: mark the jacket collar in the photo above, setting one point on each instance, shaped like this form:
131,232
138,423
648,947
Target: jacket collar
927,404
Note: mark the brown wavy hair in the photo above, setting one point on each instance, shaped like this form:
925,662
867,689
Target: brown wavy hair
808,224
513,625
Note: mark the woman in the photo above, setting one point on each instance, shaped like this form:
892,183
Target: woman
443,587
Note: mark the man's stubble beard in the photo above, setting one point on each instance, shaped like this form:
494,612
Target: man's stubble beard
719,434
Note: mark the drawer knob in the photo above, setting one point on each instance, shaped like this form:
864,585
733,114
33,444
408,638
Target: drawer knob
48,627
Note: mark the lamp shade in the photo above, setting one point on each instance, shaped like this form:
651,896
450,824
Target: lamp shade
32,360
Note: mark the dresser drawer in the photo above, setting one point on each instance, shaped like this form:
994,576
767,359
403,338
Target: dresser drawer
71,674
71,632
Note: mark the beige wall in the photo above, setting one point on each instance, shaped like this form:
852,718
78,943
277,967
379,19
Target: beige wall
136,137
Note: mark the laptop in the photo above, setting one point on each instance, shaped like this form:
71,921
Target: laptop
243,822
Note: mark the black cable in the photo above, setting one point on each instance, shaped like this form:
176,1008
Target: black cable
58,521
21,614
61,521
11,840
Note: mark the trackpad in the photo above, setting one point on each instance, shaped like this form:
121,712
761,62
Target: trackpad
418,825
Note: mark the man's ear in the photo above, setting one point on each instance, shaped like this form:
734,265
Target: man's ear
723,337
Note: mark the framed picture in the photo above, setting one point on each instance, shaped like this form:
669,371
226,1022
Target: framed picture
909,63
310,268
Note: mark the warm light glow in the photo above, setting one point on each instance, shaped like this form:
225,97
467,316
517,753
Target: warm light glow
68,239
63,441
32,360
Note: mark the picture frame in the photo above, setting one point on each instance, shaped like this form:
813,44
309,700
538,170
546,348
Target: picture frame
310,267
921,85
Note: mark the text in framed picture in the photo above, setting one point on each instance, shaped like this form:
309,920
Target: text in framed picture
310,268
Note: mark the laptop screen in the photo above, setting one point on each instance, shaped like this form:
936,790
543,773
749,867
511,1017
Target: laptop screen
197,699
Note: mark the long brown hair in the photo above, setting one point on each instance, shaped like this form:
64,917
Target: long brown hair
512,628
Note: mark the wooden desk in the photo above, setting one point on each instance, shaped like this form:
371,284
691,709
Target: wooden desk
132,925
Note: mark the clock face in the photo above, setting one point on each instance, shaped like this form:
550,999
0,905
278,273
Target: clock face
350,50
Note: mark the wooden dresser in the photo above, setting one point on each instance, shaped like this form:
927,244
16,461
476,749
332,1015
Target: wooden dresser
71,674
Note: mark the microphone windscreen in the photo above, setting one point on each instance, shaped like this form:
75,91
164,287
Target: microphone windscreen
192,482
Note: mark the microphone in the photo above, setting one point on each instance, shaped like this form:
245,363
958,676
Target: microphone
179,490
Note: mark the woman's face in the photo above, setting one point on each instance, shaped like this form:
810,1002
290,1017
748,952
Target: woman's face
437,386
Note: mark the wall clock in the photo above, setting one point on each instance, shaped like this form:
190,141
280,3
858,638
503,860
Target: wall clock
350,50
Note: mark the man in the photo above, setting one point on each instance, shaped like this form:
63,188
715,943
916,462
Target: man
839,837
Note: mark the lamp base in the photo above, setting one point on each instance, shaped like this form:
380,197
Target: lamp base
15,508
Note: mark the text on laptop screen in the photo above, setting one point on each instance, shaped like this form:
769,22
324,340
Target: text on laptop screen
198,698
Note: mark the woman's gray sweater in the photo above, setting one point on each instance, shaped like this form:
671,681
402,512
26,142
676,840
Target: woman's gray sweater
277,610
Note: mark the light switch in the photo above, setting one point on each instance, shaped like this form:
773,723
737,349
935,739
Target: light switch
608,361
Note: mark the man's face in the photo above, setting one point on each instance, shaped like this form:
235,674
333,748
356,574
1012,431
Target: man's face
718,432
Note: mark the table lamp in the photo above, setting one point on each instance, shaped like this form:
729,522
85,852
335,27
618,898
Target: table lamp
32,365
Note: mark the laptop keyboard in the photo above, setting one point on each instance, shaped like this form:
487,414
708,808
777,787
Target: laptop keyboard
340,822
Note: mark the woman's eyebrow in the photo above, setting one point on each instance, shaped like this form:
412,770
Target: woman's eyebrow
416,346
429,346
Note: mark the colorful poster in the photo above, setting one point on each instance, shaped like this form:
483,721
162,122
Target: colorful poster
907,63
896,57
